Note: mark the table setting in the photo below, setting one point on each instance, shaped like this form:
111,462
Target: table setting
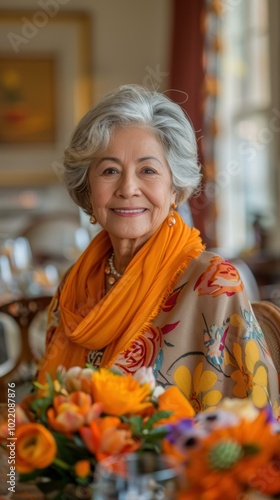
20,275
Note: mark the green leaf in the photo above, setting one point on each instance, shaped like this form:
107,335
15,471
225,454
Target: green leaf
50,383
71,450
37,385
136,424
39,407
158,433
157,417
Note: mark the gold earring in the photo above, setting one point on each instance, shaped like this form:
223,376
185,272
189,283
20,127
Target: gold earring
171,219
93,219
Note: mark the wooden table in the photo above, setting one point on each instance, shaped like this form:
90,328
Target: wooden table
27,491
24,491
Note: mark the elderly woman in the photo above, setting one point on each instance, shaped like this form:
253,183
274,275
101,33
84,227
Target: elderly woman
145,292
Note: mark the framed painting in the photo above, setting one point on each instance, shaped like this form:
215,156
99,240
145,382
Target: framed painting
46,83
27,99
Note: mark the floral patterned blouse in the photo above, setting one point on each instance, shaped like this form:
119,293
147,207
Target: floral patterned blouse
206,340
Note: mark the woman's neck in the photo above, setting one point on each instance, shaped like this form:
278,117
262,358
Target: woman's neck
124,251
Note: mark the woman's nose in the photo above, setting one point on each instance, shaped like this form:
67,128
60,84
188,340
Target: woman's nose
128,185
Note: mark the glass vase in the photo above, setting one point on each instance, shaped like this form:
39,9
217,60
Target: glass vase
138,476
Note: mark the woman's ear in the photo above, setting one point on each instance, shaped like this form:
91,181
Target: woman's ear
174,197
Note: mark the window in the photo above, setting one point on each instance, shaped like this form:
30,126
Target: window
245,194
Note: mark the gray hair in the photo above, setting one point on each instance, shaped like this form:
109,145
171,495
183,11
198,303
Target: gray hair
132,105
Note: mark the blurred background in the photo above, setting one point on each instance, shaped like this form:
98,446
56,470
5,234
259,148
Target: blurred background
217,58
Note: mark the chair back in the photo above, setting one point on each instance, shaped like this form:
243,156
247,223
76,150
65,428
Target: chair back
22,368
268,317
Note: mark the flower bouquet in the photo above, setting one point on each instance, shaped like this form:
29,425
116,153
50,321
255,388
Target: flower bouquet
85,417
65,427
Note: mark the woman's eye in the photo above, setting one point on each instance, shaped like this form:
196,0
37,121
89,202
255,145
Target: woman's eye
149,170
110,171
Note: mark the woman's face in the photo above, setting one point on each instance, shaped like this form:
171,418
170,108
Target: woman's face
131,185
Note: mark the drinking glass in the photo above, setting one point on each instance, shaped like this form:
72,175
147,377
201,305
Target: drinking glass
137,476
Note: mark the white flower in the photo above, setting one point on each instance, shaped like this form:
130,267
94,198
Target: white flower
244,408
75,378
72,379
211,420
145,376
158,391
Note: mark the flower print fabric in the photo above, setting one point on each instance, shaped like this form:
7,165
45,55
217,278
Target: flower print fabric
220,277
217,348
206,340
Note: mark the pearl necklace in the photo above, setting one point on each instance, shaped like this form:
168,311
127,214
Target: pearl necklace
111,271
112,267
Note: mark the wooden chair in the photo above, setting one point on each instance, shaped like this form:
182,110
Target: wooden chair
21,370
268,316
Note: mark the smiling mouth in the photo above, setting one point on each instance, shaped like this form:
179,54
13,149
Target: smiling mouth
129,211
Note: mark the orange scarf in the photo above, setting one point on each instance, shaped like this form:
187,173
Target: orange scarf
91,320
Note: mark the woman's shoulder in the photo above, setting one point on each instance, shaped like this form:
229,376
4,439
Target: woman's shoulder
207,260
213,275
225,273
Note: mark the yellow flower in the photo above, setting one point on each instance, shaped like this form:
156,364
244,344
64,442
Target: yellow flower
36,447
237,320
46,391
198,390
251,377
120,394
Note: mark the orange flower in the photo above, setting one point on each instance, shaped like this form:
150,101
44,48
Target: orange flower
68,413
266,478
107,436
35,447
81,400
67,421
120,394
172,451
220,464
173,400
82,468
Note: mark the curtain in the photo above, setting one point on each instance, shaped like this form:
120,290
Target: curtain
193,82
